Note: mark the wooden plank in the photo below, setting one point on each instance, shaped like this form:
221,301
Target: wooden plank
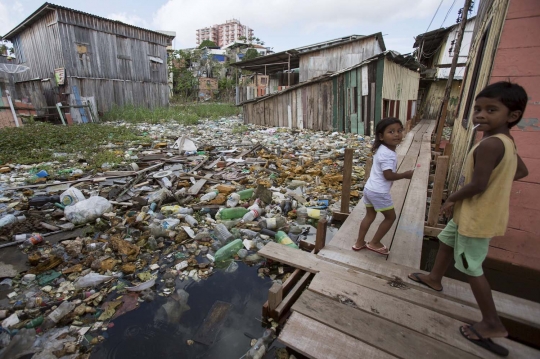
438,188
316,340
428,322
198,185
275,296
348,233
292,280
510,307
293,295
448,150
346,186
321,235
396,340
432,231
406,248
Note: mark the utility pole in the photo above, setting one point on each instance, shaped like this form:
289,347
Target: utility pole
457,48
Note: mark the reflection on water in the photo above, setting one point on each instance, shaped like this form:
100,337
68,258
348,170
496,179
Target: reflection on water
161,329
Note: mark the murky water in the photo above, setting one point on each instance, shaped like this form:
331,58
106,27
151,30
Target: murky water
161,329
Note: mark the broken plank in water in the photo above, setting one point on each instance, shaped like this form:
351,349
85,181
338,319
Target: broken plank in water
208,331
197,186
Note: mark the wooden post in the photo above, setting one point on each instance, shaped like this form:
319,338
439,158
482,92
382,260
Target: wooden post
457,48
347,174
367,169
275,296
438,188
320,239
448,150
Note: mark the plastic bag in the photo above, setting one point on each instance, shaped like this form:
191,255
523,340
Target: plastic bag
71,196
91,280
87,210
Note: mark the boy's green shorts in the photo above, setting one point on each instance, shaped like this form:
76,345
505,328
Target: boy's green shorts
469,252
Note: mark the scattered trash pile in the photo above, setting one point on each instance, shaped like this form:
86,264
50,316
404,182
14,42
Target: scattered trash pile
79,251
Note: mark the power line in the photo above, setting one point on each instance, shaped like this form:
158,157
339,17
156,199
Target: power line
433,18
451,6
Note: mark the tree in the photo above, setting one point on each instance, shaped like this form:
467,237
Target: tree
250,54
207,43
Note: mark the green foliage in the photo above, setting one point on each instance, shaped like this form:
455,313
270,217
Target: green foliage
250,54
37,142
207,43
185,114
238,129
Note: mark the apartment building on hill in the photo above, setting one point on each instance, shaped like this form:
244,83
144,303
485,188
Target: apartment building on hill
224,34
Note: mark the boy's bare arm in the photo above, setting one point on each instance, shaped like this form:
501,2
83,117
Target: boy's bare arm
521,170
486,157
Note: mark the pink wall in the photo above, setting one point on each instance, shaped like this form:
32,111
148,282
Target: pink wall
518,59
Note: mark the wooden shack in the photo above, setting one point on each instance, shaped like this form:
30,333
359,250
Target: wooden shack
434,50
506,46
72,54
351,100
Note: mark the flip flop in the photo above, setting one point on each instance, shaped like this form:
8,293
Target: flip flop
485,343
356,249
416,278
383,250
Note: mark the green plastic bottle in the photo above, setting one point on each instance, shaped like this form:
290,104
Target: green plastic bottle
228,250
34,323
232,213
283,238
246,194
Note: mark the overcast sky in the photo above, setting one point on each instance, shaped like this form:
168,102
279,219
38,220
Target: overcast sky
281,24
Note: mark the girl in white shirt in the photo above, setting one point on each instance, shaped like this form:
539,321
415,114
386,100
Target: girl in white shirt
377,198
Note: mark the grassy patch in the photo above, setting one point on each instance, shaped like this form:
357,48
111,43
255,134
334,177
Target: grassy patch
38,142
237,129
184,114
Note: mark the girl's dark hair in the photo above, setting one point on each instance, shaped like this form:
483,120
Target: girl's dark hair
379,130
511,95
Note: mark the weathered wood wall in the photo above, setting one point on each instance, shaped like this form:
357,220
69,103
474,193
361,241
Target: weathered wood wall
308,106
434,99
116,63
317,63
400,84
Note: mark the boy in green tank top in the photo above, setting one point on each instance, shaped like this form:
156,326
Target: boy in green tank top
481,205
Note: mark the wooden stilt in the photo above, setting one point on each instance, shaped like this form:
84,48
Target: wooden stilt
321,235
438,188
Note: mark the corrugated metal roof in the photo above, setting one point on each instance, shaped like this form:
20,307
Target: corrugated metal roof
406,61
275,62
50,7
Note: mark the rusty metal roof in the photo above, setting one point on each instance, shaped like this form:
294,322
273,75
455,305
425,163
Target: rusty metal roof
51,7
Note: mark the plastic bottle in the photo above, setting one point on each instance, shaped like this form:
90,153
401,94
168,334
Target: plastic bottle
242,253
191,221
232,213
273,223
232,223
233,200
176,210
254,212
31,241
71,196
63,309
209,196
314,213
222,233
258,350
42,200
246,194
283,238
268,232
301,215
228,250
34,323
7,220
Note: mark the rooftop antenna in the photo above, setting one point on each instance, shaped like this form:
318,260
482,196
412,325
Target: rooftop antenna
13,69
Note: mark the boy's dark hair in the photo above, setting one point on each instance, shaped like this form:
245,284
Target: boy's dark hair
511,95
379,130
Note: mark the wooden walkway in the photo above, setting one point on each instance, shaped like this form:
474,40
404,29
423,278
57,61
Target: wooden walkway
362,305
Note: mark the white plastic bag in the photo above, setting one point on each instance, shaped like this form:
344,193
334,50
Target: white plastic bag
71,196
87,210
91,280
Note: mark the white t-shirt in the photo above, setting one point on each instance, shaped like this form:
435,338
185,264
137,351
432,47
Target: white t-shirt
384,159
